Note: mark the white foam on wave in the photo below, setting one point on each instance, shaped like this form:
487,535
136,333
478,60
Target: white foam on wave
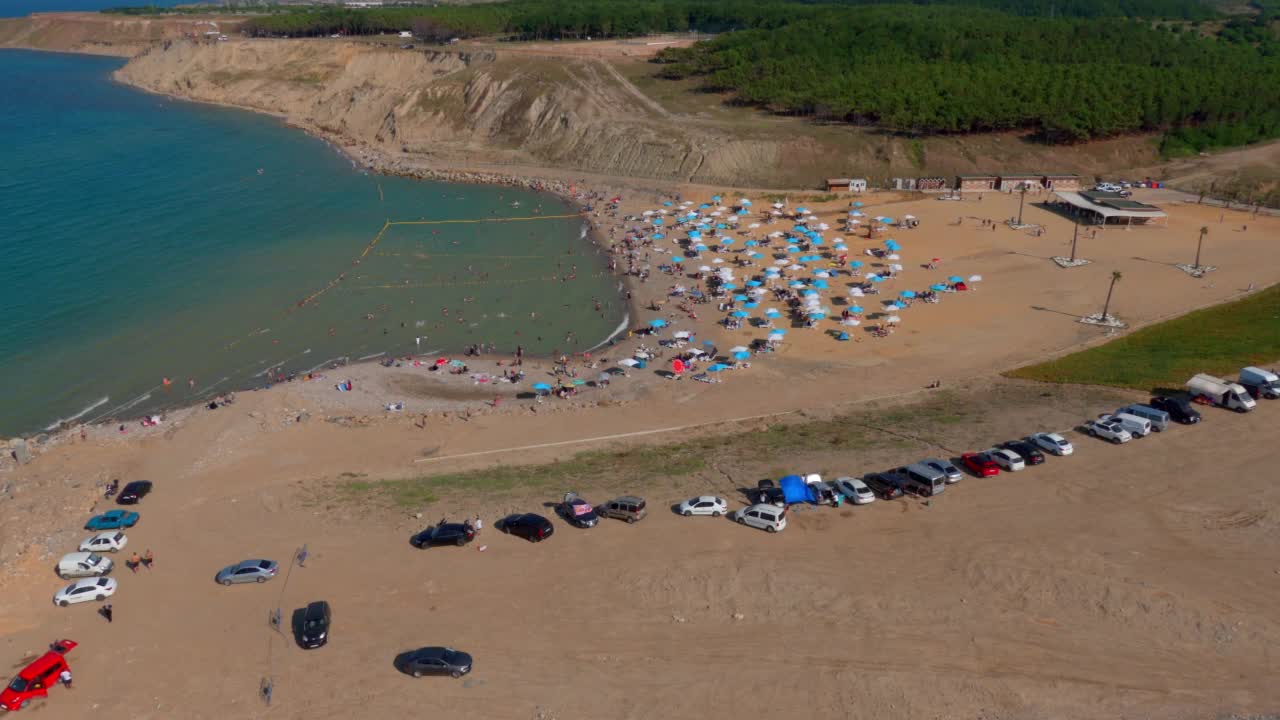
97,404
626,321
370,357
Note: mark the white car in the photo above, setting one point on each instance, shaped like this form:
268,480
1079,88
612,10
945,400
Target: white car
766,517
704,505
1008,460
855,491
1107,430
113,541
1052,443
85,590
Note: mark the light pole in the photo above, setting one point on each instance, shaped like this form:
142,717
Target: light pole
1075,235
1204,230
1022,199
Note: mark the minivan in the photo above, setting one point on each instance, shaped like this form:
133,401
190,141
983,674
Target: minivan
1137,427
766,517
1159,418
924,480
627,507
83,564
34,680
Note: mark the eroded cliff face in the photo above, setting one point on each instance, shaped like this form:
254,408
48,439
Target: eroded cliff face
455,106
98,34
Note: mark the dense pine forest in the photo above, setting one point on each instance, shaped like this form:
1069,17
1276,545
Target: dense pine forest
1065,70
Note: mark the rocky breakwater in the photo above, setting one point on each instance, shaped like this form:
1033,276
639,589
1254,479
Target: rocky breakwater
453,108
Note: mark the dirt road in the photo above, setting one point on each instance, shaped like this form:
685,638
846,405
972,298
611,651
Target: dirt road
1130,581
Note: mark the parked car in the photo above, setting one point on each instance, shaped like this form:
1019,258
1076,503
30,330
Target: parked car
34,680
766,517
922,479
83,564
1159,419
313,631
1028,452
112,520
1052,443
979,464
1008,460
767,493
704,505
949,471
104,542
99,588
529,526
1179,409
444,534
886,486
434,661
577,512
248,571
1136,427
134,492
1107,430
627,507
855,491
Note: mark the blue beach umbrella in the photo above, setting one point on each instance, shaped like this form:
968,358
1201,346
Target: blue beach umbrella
802,210
715,198
542,387
740,298
721,226
666,204
898,305
659,236
907,293
657,221
729,286
955,279
771,313
885,220
820,284
740,314
841,247
795,284
699,247
742,211
694,234
817,315
877,279
778,331
756,256
938,287
751,305
703,206
855,264
793,249
677,259
727,241
657,322
754,283
751,243
746,203
856,310
741,355
858,204
717,367
810,293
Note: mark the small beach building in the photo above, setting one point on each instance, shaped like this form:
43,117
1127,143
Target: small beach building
976,183
839,184
858,185
1108,208
1067,182
1015,182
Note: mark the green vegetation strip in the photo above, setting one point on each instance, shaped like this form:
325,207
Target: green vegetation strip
1218,340
646,466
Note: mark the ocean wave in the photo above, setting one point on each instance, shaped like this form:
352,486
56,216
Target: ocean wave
100,402
626,321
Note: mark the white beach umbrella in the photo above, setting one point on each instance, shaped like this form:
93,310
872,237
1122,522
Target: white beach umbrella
893,319
975,278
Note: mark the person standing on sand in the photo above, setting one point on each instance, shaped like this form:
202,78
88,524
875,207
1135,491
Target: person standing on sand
147,559
64,677
106,612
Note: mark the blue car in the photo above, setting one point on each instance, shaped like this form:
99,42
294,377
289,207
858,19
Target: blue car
112,520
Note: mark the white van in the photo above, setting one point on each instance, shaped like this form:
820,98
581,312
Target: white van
766,517
83,564
1159,418
1137,427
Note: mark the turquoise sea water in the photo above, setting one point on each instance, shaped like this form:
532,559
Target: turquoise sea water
146,238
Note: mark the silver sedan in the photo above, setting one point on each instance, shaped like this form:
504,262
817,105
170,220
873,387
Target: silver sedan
248,571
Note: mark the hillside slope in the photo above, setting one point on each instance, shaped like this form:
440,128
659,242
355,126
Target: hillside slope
575,112
98,34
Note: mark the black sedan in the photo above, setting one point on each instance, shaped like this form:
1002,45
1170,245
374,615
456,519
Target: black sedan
1030,454
577,512
313,627
133,492
444,534
434,661
529,526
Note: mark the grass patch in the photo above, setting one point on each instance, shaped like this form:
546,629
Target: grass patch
1218,340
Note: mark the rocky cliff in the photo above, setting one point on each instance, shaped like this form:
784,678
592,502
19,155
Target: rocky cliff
97,34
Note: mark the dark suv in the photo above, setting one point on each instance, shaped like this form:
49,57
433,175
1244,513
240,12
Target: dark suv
313,631
1029,452
886,485
529,526
1180,411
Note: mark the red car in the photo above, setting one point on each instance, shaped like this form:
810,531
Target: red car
979,464
35,679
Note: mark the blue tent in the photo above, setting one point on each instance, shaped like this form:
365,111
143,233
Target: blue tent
796,490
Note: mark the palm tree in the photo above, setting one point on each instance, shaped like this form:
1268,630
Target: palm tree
1204,230
1115,278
